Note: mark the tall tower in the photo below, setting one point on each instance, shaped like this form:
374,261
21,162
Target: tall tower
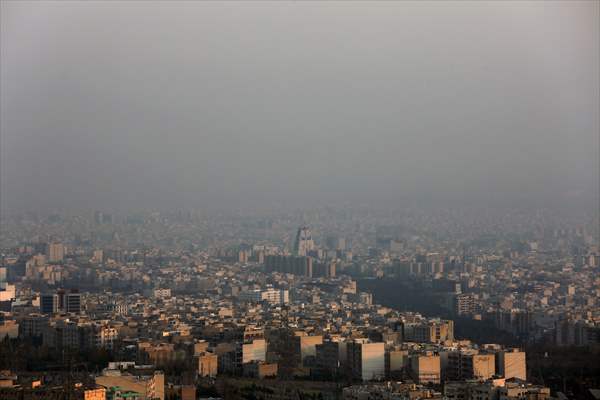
304,243
56,252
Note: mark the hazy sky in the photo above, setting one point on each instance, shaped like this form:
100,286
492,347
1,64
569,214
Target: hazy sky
186,104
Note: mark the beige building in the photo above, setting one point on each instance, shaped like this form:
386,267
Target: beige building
512,364
397,360
467,364
306,346
56,252
9,328
484,366
260,370
366,360
150,387
161,354
426,368
208,364
513,390
431,332
255,351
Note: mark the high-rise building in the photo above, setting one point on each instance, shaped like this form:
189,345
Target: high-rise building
328,357
305,346
243,256
254,351
511,364
464,304
426,368
323,269
433,331
290,265
106,336
61,301
73,303
56,252
7,292
469,364
396,361
304,243
48,303
33,325
366,360
482,366
207,365
98,256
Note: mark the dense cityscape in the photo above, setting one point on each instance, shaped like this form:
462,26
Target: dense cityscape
335,303
299,200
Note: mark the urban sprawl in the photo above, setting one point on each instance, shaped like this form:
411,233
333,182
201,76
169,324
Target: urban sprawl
328,304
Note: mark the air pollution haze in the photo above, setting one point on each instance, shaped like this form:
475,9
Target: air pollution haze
235,104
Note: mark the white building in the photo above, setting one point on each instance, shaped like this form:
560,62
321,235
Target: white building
270,295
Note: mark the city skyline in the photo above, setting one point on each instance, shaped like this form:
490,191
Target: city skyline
299,200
